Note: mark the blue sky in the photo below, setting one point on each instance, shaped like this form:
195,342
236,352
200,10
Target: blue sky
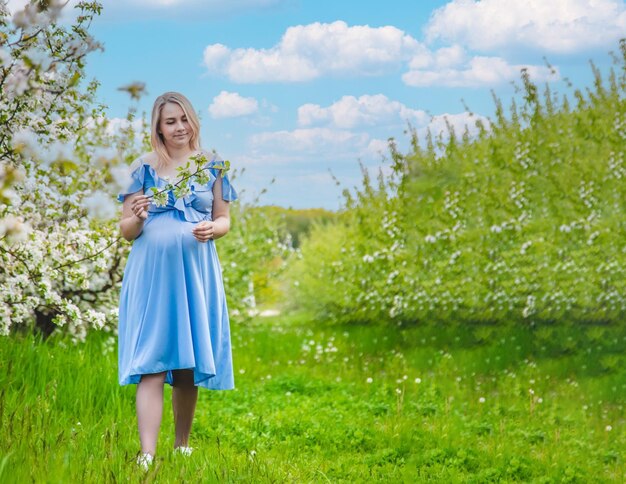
290,89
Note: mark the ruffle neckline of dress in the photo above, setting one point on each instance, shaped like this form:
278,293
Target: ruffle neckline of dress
185,204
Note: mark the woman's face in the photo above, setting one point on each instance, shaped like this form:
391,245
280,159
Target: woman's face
174,126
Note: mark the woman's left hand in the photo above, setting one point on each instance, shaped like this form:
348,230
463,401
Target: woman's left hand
204,231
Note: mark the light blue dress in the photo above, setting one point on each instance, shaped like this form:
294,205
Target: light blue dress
173,312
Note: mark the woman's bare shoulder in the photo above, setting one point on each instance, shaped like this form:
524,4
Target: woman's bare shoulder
151,158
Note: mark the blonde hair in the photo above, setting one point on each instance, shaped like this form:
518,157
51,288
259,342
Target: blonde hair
156,139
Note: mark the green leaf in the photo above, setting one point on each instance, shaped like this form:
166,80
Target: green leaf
74,79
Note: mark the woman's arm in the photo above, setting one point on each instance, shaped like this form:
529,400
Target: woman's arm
220,225
221,211
134,212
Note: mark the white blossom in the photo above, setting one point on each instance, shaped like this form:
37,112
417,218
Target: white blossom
24,141
57,150
50,247
100,205
5,58
16,82
14,227
39,58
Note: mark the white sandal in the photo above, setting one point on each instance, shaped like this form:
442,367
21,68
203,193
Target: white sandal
183,450
144,461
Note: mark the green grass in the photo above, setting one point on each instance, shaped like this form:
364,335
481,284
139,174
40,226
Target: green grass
304,411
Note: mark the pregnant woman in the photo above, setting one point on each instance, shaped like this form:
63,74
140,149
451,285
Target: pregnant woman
173,319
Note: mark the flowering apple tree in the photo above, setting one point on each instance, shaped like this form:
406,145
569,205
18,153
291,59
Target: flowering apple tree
60,164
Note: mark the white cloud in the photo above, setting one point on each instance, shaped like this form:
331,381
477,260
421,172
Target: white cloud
231,105
442,58
367,110
306,52
479,71
563,26
311,141
378,147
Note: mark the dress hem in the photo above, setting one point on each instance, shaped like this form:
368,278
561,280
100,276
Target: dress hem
204,382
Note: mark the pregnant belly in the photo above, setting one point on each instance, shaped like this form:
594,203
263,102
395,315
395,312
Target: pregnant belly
166,231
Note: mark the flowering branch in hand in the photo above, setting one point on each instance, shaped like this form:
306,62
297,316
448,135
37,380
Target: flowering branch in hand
182,187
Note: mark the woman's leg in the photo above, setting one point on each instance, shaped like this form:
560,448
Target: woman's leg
184,398
149,404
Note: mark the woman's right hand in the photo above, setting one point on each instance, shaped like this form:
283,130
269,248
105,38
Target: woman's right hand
139,206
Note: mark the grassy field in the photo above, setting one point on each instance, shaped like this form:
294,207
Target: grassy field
318,403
